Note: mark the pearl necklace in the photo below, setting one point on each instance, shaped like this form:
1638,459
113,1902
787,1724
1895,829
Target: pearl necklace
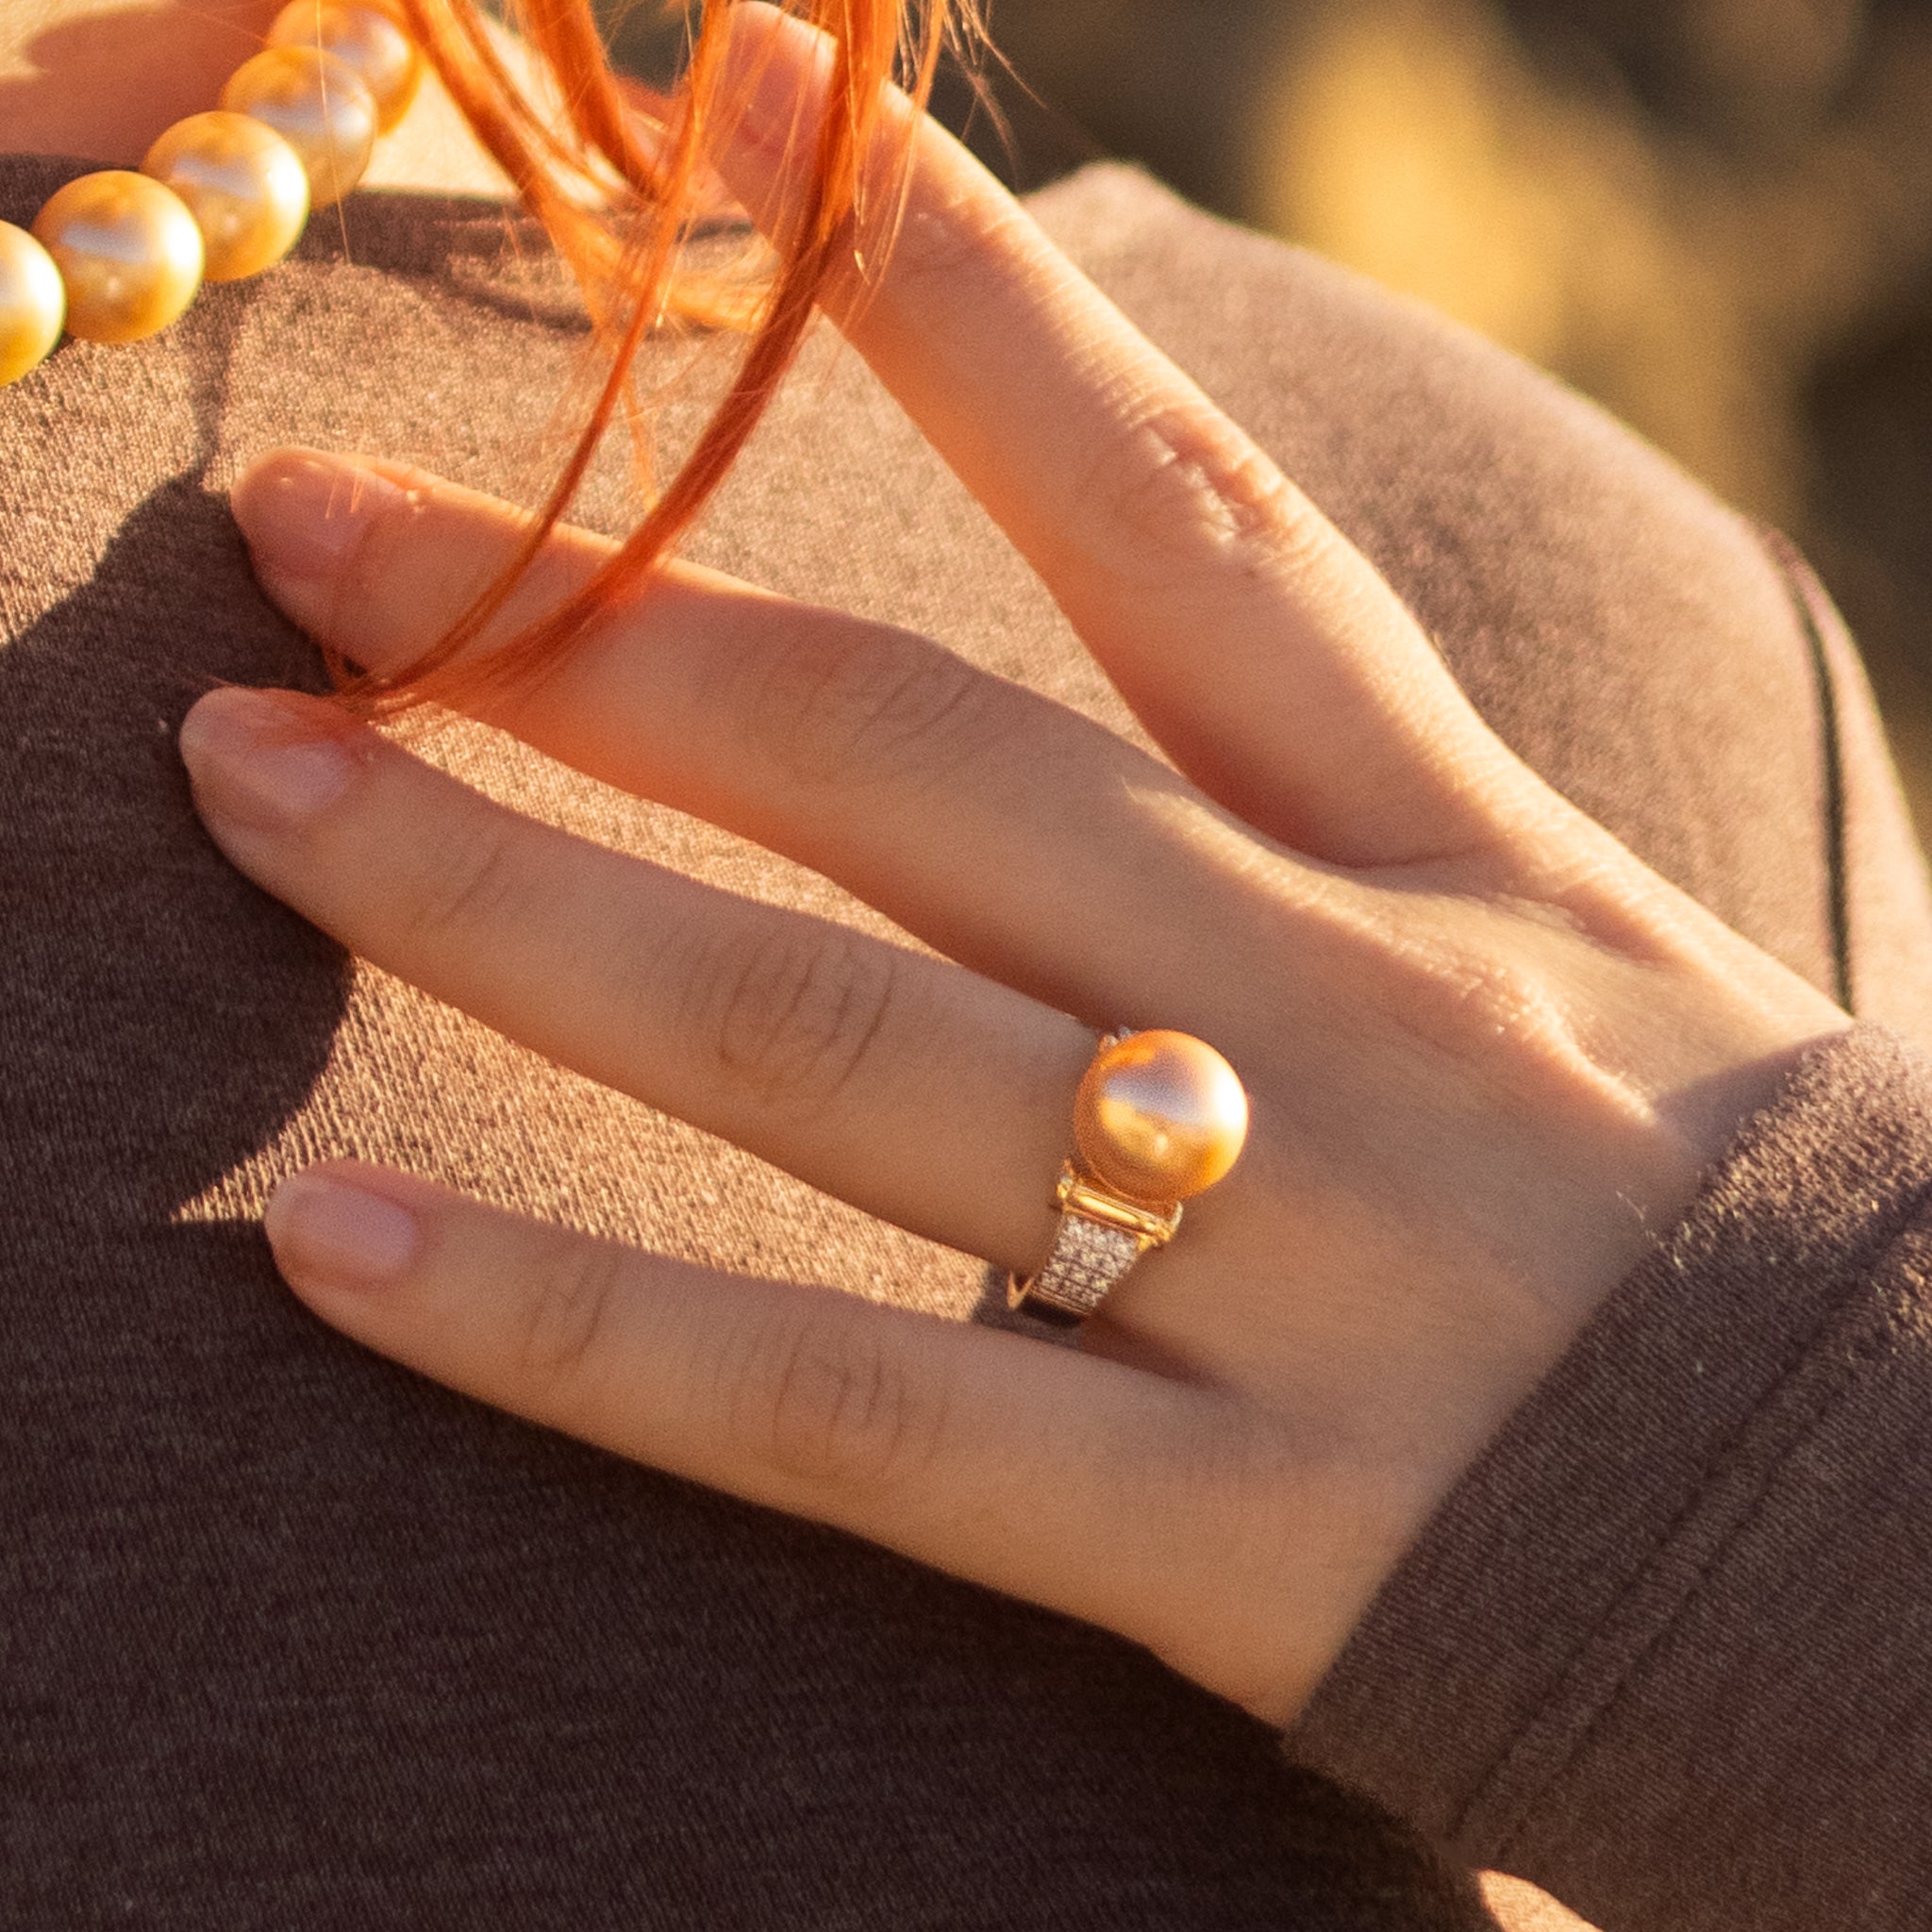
117,256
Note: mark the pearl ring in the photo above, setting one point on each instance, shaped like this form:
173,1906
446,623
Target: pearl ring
1159,1118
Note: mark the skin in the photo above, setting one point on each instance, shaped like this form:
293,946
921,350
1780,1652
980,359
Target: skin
1489,1053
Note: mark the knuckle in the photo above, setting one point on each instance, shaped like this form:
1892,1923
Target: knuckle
797,1009
858,709
1481,1003
825,1397
1460,997
560,1343
1467,991
951,238
1476,994
476,885
1193,488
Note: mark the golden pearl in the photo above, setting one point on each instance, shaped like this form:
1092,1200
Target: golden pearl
128,250
367,38
33,304
318,105
1159,1117
242,183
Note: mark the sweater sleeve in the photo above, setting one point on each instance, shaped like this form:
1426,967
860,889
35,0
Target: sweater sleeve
1667,1650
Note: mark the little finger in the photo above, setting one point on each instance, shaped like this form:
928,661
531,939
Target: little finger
1094,1489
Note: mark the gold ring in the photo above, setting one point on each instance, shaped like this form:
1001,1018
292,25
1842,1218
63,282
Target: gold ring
1159,1118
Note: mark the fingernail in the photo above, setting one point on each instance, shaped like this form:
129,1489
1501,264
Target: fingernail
329,1233
303,515
266,759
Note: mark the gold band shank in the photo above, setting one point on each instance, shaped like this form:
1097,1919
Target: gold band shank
1084,1268
1153,1227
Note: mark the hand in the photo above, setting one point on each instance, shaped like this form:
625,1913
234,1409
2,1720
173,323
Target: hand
1489,1053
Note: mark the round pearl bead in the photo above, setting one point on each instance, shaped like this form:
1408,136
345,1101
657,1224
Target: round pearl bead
33,304
364,36
318,106
128,250
242,183
1159,1117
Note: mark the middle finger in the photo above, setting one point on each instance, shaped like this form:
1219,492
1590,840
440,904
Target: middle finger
1006,830
906,1085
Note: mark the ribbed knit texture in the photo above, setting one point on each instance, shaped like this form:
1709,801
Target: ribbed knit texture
1668,1651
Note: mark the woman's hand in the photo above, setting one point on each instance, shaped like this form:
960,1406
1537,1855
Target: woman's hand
1489,1053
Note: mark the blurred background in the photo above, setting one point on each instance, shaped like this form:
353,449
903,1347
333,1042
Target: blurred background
1713,215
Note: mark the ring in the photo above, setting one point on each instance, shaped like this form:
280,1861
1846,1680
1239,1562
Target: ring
1159,1118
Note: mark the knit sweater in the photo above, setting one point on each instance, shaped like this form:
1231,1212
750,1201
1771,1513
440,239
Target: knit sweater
293,1638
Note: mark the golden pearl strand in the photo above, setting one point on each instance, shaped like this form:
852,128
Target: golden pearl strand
117,256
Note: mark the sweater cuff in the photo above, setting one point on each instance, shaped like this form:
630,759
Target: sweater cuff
1664,1649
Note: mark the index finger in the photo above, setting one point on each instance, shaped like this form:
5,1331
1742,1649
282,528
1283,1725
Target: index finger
1266,656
